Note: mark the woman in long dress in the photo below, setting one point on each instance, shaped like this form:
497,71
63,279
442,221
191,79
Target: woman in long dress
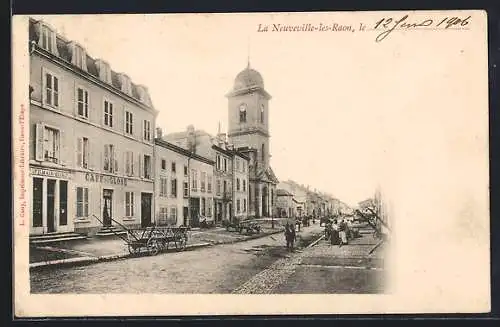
343,233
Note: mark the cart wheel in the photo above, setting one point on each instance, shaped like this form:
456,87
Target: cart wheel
180,244
153,246
132,249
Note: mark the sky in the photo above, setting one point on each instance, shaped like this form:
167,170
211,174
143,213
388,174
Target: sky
323,122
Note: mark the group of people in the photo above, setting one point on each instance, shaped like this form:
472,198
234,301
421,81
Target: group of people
337,232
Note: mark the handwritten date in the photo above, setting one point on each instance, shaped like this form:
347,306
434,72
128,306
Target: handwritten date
388,25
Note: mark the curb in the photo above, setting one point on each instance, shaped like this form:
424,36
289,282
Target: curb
253,237
90,260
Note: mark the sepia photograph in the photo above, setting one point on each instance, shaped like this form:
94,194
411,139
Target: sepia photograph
305,154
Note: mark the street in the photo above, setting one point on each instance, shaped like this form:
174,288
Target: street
253,266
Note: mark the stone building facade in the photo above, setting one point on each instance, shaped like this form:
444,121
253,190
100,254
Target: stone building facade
91,140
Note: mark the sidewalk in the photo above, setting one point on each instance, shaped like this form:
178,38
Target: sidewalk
113,247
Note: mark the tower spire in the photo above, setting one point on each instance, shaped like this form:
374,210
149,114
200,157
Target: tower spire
248,53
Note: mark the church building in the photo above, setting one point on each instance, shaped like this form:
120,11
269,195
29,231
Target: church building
248,117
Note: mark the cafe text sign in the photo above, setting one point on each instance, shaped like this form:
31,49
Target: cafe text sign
98,178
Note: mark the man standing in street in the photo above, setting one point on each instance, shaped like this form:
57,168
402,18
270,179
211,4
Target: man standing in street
290,236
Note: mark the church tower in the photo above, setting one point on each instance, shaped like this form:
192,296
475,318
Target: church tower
248,114
248,130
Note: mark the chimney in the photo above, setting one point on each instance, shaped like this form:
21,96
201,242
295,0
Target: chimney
191,138
159,132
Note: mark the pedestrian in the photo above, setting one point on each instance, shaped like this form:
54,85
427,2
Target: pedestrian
334,238
343,233
290,236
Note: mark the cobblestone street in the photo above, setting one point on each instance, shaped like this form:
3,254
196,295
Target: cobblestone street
255,266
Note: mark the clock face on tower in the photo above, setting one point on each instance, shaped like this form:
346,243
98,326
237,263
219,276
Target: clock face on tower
243,107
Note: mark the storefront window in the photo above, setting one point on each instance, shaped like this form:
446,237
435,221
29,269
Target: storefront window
37,202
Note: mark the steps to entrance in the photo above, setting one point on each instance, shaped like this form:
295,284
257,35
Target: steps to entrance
111,231
56,237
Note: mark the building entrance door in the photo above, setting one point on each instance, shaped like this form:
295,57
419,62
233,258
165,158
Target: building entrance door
185,215
51,196
145,209
63,207
107,211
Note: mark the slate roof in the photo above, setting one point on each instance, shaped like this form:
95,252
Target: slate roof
65,54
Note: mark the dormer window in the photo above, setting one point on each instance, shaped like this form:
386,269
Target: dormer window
78,56
144,95
126,84
104,71
47,39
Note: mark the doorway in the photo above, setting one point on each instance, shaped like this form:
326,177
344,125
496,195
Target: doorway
107,211
185,216
51,192
146,209
63,203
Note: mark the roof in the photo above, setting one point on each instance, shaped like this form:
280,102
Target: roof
180,150
63,48
248,80
282,192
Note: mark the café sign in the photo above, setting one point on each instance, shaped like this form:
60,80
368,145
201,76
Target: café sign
98,178
50,173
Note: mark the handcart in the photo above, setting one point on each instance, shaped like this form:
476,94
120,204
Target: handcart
153,239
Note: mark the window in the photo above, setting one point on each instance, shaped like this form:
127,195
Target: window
163,186
173,216
108,113
185,170
173,187
79,57
194,180
51,95
82,149
163,164
243,114
203,180
82,102
147,130
225,164
173,167
147,166
263,154
37,202
238,205
51,143
129,163
129,204
82,202
244,164
244,185
209,207
209,183
218,187
186,189
110,162
47,38
262,113
129,123
163,215
218,162
225,186
237,184
244,205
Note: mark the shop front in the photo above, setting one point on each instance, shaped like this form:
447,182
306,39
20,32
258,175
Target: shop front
106,200
50,211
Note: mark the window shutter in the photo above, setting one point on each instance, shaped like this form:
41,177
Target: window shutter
62,150
79,151
132,163
141,171
40,128
90,161
115,159
126,163
105,162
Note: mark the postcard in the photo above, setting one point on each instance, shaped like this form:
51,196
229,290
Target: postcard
251,163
